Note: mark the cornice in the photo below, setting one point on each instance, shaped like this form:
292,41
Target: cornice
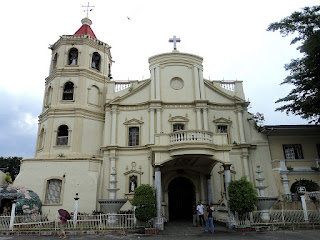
72,112
98,160
76,72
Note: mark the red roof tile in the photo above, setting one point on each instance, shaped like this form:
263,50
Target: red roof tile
85,29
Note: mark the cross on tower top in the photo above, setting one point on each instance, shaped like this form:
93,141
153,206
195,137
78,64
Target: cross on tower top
88,9
174,40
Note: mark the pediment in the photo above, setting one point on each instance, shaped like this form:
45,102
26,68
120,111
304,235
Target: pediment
178,119
133,121
133,172
222,120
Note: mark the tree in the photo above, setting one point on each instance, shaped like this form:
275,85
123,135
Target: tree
144,199
242,196
304,99
11,165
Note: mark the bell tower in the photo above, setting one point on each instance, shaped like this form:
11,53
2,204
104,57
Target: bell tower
72,118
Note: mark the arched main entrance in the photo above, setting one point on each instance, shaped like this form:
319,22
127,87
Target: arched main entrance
181,198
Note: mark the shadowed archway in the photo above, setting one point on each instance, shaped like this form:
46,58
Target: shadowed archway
181,198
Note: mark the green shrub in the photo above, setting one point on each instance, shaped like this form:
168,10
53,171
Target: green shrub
145,201
242,196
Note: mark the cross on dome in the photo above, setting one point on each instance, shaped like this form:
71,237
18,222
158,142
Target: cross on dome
88,9
174,40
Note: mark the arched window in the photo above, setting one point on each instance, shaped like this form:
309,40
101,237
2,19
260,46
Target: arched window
94,95
41,139
68,91
133,136
49,97
53,194
73,57
178,127
62,136
54,61
96,59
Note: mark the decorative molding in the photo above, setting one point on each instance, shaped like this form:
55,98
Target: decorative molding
133,121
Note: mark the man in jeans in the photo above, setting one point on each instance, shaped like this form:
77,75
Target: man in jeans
200,209
209,219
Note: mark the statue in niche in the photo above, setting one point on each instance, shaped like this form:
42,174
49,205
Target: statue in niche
73,57
132,183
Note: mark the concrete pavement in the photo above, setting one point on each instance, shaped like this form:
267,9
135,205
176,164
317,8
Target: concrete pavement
185,231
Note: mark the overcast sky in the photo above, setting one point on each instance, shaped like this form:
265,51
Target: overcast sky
230,35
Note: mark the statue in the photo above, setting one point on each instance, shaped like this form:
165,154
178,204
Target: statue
132,183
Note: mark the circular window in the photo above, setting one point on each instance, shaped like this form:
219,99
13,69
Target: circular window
176,83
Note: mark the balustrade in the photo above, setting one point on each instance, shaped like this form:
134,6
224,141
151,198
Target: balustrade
191,136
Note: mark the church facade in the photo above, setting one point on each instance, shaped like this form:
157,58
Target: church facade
185,135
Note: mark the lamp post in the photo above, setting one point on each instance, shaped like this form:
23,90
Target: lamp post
75,212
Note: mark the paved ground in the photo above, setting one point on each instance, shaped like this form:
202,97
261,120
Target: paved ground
185,231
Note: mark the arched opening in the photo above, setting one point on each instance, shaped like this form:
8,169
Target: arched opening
73,57
96,61
181,198
62,136
68,91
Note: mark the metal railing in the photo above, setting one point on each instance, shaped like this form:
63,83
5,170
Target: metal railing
277,217
84,222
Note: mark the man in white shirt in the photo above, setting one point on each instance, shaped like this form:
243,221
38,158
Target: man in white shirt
200,209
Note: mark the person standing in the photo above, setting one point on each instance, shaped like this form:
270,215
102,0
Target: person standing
63,227
194,219
200,210
209,219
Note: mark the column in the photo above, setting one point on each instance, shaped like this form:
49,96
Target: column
106,123
159,222
227,180
152,84
246,166
196,82
304,207
210,195
113,126
151,140
202,91
205,119
285,182
199,122
240,117
159,120
203,189
157,72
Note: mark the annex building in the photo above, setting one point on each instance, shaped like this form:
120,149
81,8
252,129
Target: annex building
185,135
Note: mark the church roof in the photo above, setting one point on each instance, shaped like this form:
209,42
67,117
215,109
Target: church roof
85,29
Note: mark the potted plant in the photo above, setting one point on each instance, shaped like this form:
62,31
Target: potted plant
145,201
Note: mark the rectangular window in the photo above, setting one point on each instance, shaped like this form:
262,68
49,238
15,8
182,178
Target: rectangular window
178,127
223,129
133,136
292,151
53,191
